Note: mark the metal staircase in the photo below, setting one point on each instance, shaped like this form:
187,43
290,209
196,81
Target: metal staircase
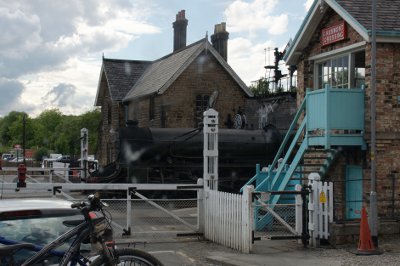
326,120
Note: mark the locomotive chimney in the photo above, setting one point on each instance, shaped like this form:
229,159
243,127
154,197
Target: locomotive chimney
180,26
219,40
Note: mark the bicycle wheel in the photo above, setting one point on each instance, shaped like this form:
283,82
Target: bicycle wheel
132,257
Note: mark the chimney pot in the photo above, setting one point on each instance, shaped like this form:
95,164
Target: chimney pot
219,40
180,26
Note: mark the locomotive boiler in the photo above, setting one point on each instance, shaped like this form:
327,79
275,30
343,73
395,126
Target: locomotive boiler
175,155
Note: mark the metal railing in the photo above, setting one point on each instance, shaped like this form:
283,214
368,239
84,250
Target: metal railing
140,211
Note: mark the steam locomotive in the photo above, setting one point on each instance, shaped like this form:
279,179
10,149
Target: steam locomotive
175,155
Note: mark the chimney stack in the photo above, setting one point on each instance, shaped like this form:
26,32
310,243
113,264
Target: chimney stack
219,40
180,26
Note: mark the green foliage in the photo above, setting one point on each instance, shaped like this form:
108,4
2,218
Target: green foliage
47,122
40,154
6,137
51,130
16,131
261,88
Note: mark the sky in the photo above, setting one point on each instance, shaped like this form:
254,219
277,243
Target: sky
51,50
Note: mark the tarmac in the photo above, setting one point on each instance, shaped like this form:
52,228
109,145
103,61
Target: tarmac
268,252
271,252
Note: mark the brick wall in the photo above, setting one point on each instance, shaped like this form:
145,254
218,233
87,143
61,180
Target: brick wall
387,120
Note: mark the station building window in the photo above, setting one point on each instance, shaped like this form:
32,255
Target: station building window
342,72
201,106
152,107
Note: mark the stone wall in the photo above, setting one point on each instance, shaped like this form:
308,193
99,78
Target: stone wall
112,118
176,107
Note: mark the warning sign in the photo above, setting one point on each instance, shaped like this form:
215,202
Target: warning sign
322,197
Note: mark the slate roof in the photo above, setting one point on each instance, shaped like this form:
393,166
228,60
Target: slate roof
357,13
120,76
387,12
164,71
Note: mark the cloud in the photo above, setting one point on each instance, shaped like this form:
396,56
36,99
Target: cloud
81,74
39,35
60,95
249,58
249,54
308,4
48,46
255,16
10,91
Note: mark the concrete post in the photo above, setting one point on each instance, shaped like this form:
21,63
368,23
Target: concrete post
210,149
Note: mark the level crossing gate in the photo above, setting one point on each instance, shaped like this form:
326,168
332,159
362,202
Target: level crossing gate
304,213
278,221
135,215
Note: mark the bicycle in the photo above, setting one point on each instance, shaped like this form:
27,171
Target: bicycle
96,228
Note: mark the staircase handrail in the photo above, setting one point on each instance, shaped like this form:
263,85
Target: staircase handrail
287,136
271,183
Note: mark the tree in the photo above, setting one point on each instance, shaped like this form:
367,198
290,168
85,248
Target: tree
91,120
40,154
69,130
16,131
46,124
50,131
261,89
5,135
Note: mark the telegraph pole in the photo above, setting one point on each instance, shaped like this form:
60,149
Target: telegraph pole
373,212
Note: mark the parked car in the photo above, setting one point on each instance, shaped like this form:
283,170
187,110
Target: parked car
7,157
20,159
36,221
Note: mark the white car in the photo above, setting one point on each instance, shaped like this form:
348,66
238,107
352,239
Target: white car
20,160
36,221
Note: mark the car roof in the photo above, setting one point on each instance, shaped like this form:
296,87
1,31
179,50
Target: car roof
47,207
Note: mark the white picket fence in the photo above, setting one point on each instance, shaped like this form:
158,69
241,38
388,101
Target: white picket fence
320,208
229,218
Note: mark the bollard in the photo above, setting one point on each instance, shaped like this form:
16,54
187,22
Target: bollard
21,175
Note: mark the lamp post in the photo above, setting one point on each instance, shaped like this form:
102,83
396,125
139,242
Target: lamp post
23,137
373,212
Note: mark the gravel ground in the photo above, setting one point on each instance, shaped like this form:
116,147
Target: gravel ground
346,257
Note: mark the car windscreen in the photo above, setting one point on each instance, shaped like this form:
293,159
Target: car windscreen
39,231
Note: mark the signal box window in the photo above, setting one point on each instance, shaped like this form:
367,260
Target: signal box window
342,72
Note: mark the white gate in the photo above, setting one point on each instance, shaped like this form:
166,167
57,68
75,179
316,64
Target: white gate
229,218
320,208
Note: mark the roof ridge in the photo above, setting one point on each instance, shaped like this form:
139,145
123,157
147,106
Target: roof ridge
181,49
126,60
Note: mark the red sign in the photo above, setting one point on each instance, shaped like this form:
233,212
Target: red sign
333,34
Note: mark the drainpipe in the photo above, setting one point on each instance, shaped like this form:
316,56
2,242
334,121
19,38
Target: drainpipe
373,212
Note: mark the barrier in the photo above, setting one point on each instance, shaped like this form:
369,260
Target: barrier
320,208
365,244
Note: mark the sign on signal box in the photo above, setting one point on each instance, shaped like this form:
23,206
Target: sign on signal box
333,34
322,197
